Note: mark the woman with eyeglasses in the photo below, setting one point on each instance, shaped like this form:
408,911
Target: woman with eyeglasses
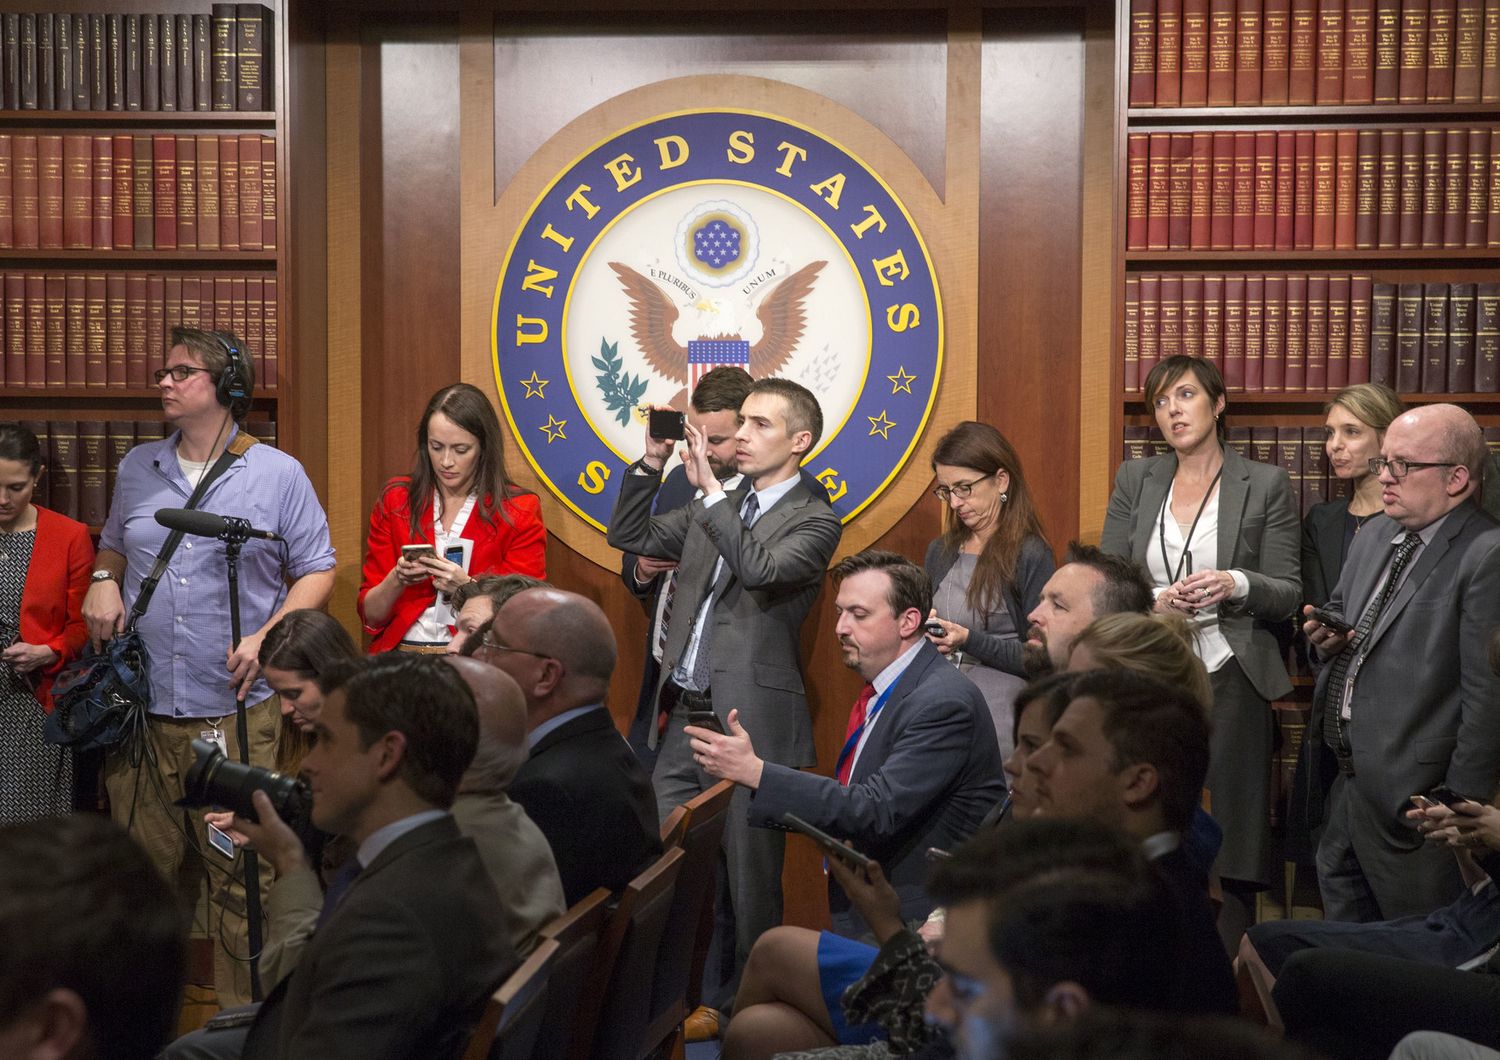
45,559
1355,423
1220,539
988,567
461,505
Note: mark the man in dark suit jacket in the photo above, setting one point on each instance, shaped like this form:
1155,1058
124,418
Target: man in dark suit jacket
1412,703
582,785
920,768
752,561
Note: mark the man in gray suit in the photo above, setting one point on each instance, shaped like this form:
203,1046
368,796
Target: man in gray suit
750,563
1407,701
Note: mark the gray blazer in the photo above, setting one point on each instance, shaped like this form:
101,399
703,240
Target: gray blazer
772,574
1259,535
1426,705
1033,567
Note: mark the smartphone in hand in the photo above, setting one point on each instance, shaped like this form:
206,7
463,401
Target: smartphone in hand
830,845
706,719
1331,621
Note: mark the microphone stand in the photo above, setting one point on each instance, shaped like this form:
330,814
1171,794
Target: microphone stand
234,539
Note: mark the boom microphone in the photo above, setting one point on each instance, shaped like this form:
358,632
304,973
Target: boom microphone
207,524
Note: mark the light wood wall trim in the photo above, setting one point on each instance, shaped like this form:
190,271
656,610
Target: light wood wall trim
346,514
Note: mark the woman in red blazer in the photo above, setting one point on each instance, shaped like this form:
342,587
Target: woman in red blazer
459,502
45,560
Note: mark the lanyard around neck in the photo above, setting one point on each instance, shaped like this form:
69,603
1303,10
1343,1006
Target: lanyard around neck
1161,530
854,737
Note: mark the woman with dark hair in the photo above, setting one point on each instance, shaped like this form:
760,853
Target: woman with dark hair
460,503
989,566
1219,537
45,559
294,655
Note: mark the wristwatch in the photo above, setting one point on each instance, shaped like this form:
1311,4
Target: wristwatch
103,576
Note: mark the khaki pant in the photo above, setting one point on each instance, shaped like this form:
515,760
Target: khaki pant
174,837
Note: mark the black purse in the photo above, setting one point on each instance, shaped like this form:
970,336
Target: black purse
101,700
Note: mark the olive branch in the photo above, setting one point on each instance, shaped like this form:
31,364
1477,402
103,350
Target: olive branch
621,390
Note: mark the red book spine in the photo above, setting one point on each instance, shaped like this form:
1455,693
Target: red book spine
1346,164
237,309
1383,334
1366,189
1487,338
1150,324
1192,315
1295,367
1142,53
1411,83
1455,182
50,191
1440,16
1387,50
1221,212
1433,156
15,330
143,183
1359,328
76,340
1286,184
1461,338
1213,319
1410,228
270,336
223,303
164,166
96,331
1434,338
78,192
1194,53
102,223
192,302
251,201
27,226
1234,332
1330,90
254,319
229,194
1302,227
1338,332
1169,313
1409,338
1247,53
1201,195
1132,334
1468,50
1388,190
1479,190
1264,223
1255,331
1273,335
208,192
1276,41
1302,75
57,329
134,366
136,373
1158,193
1359,41
1179,192
115,321
123,237
1325,152
1244,190
268,211
1221,31
1168,53
1492,227
7,198
187,192
1316,377
172,308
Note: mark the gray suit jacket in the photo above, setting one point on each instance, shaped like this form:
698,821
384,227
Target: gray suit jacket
1259,535
926,777
1426,706
772,574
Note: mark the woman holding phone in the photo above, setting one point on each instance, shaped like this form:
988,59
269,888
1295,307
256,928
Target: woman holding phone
1219,537
455,516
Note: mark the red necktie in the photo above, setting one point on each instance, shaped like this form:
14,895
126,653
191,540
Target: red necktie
851,733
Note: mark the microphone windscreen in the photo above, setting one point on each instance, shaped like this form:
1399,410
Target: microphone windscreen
201,524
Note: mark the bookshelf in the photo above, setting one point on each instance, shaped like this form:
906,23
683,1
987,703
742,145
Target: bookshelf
196,255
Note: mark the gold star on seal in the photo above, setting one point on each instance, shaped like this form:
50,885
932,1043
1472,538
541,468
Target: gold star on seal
880,425
534,386
901,381
553,428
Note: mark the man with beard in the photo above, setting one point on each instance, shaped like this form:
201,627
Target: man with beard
1090,584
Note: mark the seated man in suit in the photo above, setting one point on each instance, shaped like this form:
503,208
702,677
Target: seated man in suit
475,602
1132,752
411,939
1090,584
93,946
1407,702
582,785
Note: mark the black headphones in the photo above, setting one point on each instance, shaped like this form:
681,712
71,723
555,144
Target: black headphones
233,386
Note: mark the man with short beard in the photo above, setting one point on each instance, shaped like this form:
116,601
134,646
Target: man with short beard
1090,584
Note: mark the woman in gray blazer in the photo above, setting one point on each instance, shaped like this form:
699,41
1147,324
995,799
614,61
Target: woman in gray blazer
1219,537
989,566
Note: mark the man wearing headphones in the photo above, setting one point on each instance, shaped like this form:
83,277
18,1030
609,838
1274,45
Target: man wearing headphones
196,672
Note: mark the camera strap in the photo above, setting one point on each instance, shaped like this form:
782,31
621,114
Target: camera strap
237,447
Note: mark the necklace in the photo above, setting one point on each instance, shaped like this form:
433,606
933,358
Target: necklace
1361,520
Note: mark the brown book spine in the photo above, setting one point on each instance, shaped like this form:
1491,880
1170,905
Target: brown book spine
1455,185
93,474
1244,191
192,302
250,81
173,307
202,78
1169,313
1387,50
229,193
1150,351
1276,41
1234,332
1432,187
102,206
150,65
187,193
115,323
1330,89
251,203
1492,228
1440,16
1221,31
131,47
1179,192
1481,142
1192,315
77,192
7,193
1221,208
1345,185
1461,311
1338,332
124,195
1409,338
15,329
1489,55
1263,231
1359,328
1316,376
50,191
1132,334
1286,184
1434,338
1359,41
164,165
135,329
1302,74
1411,84
96,333
1303,193
1324,187
168,73
137,373
1410,228
63,468
270,321
36,329
56,314
223,303
208,194
1487,338
1255,332
1388,190
222,58
75,341
1273,335
1383,334
1468,47
143,183
1158,189
269,213
1200,193
1194,53
1168,91
185,76
1294,372
1247,53
239,322
114,59
25,194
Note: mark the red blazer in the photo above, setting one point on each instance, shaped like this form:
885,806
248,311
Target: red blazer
516,547
52,598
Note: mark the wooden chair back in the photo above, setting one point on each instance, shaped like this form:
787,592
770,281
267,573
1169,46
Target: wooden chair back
578,933
512,1018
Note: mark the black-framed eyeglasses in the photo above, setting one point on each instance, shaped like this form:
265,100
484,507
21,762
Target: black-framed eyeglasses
179,372
1399,468
496,646
961,490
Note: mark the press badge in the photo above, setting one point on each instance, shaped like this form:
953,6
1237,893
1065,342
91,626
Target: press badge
215,736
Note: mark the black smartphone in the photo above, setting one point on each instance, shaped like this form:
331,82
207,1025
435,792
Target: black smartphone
934,629
1448,797
1329,620
667,423
706,719
829,844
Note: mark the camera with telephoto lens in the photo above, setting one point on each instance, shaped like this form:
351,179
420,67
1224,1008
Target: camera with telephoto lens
214,780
